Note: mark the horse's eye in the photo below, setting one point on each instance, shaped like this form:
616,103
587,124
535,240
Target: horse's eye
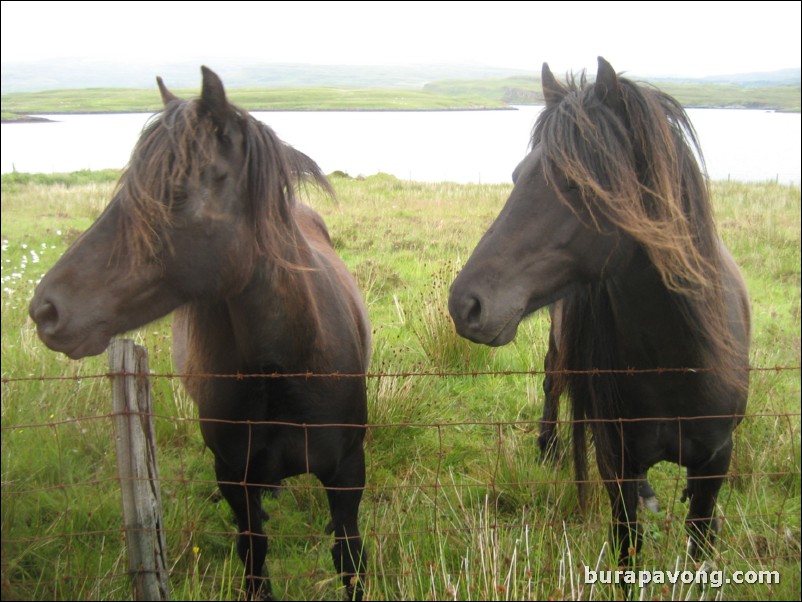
177,197
177,201
219,173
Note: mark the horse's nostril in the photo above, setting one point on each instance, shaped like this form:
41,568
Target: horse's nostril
473,313
45,316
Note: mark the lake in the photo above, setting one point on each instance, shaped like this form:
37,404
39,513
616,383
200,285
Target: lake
458,146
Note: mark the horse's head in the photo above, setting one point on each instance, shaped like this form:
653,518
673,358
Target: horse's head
207,190
547,237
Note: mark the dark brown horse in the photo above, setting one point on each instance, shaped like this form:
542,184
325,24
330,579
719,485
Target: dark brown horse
205,221
610,215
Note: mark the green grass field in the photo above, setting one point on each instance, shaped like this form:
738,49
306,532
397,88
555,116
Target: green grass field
458,504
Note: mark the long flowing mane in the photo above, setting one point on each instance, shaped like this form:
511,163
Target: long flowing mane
639,167
178,146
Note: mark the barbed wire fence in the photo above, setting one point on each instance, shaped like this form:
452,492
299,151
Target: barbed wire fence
438,484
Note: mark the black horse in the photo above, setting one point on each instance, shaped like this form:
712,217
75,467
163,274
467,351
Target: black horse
205,221
610,215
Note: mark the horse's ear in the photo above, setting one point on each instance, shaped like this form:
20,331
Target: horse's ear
213,97
553,92
606,88
167,96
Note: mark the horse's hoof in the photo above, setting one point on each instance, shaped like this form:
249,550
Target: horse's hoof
651,503
351,595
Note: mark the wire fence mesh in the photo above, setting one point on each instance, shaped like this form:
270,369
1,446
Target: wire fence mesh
470,505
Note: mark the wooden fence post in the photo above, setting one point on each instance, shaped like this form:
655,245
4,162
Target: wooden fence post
138,471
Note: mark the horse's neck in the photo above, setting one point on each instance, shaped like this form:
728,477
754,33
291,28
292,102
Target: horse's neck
651,330
273,321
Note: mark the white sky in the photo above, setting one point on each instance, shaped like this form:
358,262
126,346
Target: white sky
641,38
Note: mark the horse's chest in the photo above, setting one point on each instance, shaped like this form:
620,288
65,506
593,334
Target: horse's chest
257,418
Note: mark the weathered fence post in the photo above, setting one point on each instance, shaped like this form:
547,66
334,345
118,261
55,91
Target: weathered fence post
138,471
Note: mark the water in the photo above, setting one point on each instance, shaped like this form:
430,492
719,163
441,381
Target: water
458,146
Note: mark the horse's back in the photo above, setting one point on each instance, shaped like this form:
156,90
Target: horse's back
337,287
739,316
737,298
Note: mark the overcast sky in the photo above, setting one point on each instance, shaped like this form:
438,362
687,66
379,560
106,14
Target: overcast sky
641,38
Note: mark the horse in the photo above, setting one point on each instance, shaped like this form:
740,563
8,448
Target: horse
610,216
206,221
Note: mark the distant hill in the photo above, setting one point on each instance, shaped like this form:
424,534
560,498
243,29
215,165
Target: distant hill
691,93
91,86
783,77
72,74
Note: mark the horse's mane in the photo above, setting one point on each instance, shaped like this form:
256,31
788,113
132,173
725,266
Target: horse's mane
639,167
177,146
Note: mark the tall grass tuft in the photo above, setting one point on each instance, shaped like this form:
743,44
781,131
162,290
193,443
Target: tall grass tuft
442,348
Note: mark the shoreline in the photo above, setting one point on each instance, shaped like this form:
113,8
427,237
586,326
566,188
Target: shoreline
35,117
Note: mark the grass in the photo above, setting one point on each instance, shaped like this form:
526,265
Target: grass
458,505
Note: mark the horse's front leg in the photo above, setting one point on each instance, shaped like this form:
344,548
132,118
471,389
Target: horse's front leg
245,501
344,490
